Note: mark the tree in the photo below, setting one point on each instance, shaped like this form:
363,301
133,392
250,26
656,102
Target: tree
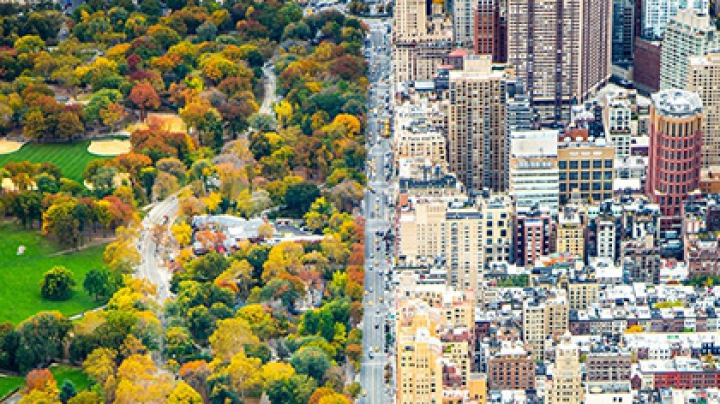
300,196
41,339
311,361
67,391
184,394
29,44
86,397
112,114
57,283
230,337
195,373
101,283
182,232
245,374
40,379
295,390
144,96
69,126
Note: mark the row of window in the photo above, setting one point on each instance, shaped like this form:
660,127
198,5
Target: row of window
574,164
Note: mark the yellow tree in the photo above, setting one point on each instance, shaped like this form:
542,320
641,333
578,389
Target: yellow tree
284,257
230,337
276,371
182,232
184,394
245,375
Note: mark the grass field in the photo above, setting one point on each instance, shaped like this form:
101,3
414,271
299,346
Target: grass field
8,383
71,157
20,275
75,375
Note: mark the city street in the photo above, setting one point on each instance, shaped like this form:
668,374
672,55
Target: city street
378,213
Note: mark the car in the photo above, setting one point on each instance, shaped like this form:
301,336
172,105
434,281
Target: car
382,300
366,293
377,349
371,290
377,326
378,311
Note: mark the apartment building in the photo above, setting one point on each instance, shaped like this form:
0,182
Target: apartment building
476,125
623,31
654,17
703,79
490,29
499,212
566,385
676,125
689,33
608,365
534,233
617,121
561,49
570,232
543,321
419,352
512,368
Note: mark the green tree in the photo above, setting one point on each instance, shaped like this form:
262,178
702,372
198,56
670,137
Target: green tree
69,126
57,283
293,390
67,391
101,283
300,196
311,361
41,339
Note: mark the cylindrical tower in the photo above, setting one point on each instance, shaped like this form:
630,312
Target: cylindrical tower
675,156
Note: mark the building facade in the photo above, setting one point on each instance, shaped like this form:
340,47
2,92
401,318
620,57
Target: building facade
703,76
533,169
676,125
586,169
490,29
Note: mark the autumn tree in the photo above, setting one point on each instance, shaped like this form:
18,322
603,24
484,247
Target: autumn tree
41,339
101,283
183,393
144,96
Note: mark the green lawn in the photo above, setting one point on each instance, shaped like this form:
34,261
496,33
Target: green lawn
20,275
8,383
75,375
70,157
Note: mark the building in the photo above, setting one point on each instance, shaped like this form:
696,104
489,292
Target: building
703,76
570,232
689,33
419,353
641,260
561,49
534,234
608,392
499,212
512,368
586,168
533,169
606,238
676,124
679,373
566,385
422,40
617,121
490,30
608,365
655,15
544,321
463,14
476,125
623,31
648,54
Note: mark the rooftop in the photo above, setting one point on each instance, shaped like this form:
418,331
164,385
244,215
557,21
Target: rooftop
677,103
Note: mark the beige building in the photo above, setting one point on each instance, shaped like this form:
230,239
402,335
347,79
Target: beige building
704,79
476,125
581,293
499,212
419,358
561,49
587,168
570,232
437,228
543,320
566,385
421,42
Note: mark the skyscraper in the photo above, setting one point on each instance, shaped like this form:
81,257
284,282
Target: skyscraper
703,76
567,380
623,30
561,49
676,124
490,29
689,33
476,124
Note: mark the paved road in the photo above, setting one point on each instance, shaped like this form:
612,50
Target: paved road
270,90
150,266
378,212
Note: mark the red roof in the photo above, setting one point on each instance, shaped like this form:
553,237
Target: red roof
458,53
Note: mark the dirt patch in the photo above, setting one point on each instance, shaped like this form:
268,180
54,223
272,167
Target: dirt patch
8,146
109,147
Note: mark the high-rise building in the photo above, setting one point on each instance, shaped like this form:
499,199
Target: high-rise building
570,229
623,31
534,234
689,33
544,321
676,125
566,385
422,39
703,79
490,29
655,15
617,116
533,169
561,49
463,13
419,353
476,125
